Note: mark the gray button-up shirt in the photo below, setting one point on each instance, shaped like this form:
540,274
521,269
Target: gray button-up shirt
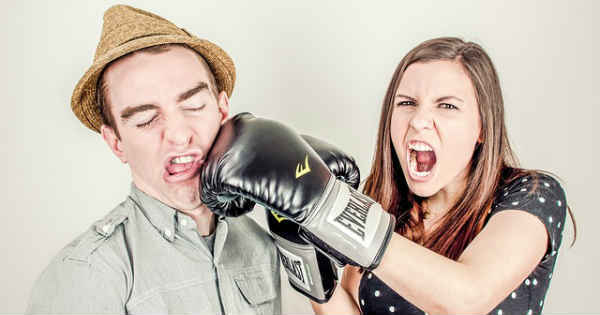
146,258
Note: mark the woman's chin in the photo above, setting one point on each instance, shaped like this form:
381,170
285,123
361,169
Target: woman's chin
423,189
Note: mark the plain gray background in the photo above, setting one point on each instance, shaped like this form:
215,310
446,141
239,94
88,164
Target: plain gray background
320,66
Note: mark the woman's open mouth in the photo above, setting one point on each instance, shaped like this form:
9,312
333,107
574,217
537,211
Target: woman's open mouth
421,159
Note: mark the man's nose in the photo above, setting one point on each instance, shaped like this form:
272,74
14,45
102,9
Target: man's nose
177,132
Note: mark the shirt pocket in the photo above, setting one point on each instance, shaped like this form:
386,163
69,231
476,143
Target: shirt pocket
258,288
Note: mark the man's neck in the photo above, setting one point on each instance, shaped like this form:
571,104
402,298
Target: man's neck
204,218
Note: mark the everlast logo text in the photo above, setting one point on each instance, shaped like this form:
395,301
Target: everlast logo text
354,216
293,266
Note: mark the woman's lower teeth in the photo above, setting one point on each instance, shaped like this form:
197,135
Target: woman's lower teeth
414,169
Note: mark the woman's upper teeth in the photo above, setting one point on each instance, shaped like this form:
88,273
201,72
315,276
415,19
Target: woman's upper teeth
419,146
182,159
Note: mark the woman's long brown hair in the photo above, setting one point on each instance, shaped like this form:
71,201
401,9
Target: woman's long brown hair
493,162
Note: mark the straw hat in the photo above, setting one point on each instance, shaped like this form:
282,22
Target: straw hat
127,29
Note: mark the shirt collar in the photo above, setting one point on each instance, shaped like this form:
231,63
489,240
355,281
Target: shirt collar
164,218
160,215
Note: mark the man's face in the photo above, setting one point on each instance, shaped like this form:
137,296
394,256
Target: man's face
167,117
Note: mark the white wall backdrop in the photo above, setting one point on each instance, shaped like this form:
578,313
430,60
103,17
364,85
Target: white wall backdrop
321,67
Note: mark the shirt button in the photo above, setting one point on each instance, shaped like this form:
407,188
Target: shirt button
183,222
106,228
168,232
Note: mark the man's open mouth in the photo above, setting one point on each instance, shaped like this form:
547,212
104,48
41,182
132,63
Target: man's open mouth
180,164
182,167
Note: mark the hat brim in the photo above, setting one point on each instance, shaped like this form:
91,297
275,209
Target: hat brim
83,100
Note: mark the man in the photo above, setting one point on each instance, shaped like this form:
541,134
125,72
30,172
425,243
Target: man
158,96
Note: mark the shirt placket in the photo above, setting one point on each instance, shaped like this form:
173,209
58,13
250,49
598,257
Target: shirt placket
224,283
187,230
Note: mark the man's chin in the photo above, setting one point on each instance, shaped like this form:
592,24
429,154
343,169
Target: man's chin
184,194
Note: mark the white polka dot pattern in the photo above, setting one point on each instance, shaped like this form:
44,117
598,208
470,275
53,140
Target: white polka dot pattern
541,196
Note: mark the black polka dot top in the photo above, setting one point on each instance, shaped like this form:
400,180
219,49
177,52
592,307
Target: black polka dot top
546,201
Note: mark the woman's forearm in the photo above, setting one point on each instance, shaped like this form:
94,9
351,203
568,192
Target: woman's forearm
341,302
428,280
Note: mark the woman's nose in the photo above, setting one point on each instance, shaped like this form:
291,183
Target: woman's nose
422,119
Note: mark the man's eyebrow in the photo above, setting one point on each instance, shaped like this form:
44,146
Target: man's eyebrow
189,93
449,97
131,110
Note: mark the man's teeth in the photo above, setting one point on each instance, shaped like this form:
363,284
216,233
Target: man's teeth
419,146
182,159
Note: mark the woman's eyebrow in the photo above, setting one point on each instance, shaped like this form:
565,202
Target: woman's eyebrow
449,97
405,96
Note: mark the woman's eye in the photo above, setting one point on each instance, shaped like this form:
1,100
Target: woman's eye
405,103
448,106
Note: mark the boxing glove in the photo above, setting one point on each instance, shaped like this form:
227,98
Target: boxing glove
267,162
308,270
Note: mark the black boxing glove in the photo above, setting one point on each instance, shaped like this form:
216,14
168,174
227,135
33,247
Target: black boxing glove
309,271
268,163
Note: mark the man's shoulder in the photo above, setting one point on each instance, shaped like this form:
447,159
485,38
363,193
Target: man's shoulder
103,237
95,262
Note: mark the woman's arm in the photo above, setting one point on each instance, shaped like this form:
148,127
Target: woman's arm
502,255
343,300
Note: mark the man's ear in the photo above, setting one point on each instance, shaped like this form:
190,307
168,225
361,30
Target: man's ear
223,103
114,143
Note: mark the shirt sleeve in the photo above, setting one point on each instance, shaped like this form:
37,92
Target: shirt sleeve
542,196
70,286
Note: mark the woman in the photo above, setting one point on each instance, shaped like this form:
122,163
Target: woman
474,234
